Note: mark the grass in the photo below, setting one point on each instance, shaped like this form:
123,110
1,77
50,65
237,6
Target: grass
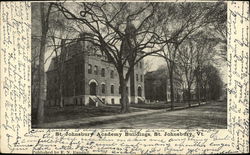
151,106
159,105
54,114
212,115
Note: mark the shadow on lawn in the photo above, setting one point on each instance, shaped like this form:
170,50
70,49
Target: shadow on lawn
54,114
212,115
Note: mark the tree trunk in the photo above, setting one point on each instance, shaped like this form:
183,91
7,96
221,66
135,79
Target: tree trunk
171,88
41,74
61,96
60,66
189,96
199,92
166,89
61,82
124,95
205,93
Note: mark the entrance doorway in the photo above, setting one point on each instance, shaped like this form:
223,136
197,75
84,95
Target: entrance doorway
92,87
139,91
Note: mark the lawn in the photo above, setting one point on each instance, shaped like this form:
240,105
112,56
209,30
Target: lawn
212,115
158,105
54,114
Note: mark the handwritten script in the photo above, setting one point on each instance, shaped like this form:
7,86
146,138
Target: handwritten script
17,136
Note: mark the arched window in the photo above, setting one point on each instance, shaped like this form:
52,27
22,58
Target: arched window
103,72
112,101
92,88
112,89
137,78
139,91
112,74
141,78
96,70
90,69
103,88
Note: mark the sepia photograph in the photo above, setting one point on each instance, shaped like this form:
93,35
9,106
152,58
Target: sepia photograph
129,65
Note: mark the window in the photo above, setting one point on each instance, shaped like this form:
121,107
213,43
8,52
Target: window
103,72
112,89
96,70
113,101
139,91
90,69
137,77
141,78
112,74
103,88
92,88
140,65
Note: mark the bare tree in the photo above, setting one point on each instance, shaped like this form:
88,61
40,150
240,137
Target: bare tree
122,31
187,19
218,31
211,83
60,31
205,55
187,63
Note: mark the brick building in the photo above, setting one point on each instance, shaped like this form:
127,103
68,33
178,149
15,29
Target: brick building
88,77
157,88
